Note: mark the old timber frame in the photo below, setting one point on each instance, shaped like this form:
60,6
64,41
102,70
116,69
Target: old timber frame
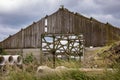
59,45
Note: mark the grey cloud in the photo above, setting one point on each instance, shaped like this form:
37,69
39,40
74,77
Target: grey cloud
85,7
24,15
109,7
15,20
70,3
6,30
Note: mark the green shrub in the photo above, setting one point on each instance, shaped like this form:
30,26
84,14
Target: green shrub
29,59
2,52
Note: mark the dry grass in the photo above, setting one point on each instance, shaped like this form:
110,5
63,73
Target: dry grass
29,73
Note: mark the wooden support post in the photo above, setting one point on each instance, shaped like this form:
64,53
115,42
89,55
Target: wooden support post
68,52
79,51
53,52
41,53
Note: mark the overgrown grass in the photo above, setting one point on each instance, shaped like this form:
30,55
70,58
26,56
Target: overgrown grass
63,75
16,73
29,73
69,64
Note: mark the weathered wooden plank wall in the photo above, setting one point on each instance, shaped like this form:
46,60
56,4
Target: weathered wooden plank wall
63,21
32,34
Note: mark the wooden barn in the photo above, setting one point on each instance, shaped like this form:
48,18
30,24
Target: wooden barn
63,21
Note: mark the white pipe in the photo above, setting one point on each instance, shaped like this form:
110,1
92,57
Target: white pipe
17,59
2,60
8,59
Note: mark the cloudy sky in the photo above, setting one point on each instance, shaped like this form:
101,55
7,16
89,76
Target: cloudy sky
17,14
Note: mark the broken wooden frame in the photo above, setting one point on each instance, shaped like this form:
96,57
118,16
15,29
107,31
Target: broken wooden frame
70,45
